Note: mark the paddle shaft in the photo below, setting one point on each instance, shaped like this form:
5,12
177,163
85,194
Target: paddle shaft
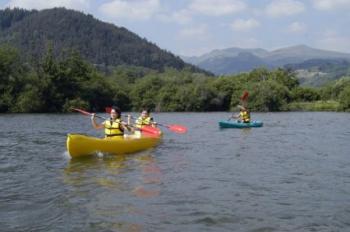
151,122
98,116
88,113
174,128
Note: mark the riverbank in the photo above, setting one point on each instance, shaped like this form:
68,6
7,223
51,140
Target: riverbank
314,106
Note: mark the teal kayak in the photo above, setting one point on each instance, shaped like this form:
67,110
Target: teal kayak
235,124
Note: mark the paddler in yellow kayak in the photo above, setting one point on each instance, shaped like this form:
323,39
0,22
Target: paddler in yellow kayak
144,120
114,127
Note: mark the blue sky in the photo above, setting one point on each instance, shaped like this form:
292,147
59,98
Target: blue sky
194,27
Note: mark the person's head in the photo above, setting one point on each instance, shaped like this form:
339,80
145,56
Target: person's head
115,113
241,108
144,113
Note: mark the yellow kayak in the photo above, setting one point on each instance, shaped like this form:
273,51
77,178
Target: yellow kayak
82,145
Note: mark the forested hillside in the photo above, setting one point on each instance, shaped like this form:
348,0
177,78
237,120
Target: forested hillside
102,44
318,72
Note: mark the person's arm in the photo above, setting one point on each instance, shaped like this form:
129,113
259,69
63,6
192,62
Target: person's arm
126,125
129,119
94,124
153,123
235,116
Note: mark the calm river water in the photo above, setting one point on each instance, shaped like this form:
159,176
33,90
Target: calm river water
293,174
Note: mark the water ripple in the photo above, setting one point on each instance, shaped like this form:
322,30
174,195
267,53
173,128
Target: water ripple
290,175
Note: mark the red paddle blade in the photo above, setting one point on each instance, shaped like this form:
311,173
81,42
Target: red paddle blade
177,128
82,111
244,95
108,110
151,130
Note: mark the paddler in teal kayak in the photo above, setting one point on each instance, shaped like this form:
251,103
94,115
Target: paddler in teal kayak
243,116
114,126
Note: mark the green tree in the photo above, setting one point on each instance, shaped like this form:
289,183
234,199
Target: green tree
268,96
11,73
286,77
305,94
75,103
344,99
144,92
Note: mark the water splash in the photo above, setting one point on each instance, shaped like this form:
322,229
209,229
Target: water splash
66,155
100,155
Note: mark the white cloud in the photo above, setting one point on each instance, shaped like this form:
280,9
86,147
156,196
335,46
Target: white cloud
45,4
334,42
246,43
217,7
198,32
297,28
329,33
194,40
331,4
257,12
195,51
244,25
205,7
133,10
279,8
180,17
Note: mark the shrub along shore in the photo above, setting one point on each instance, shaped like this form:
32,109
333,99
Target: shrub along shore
56,84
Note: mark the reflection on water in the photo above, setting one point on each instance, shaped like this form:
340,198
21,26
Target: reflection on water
81,171
151,177
107,181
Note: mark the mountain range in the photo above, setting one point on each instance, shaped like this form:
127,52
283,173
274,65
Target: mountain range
235,60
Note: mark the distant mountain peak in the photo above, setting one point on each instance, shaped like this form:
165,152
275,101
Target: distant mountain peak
249,58
300,47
